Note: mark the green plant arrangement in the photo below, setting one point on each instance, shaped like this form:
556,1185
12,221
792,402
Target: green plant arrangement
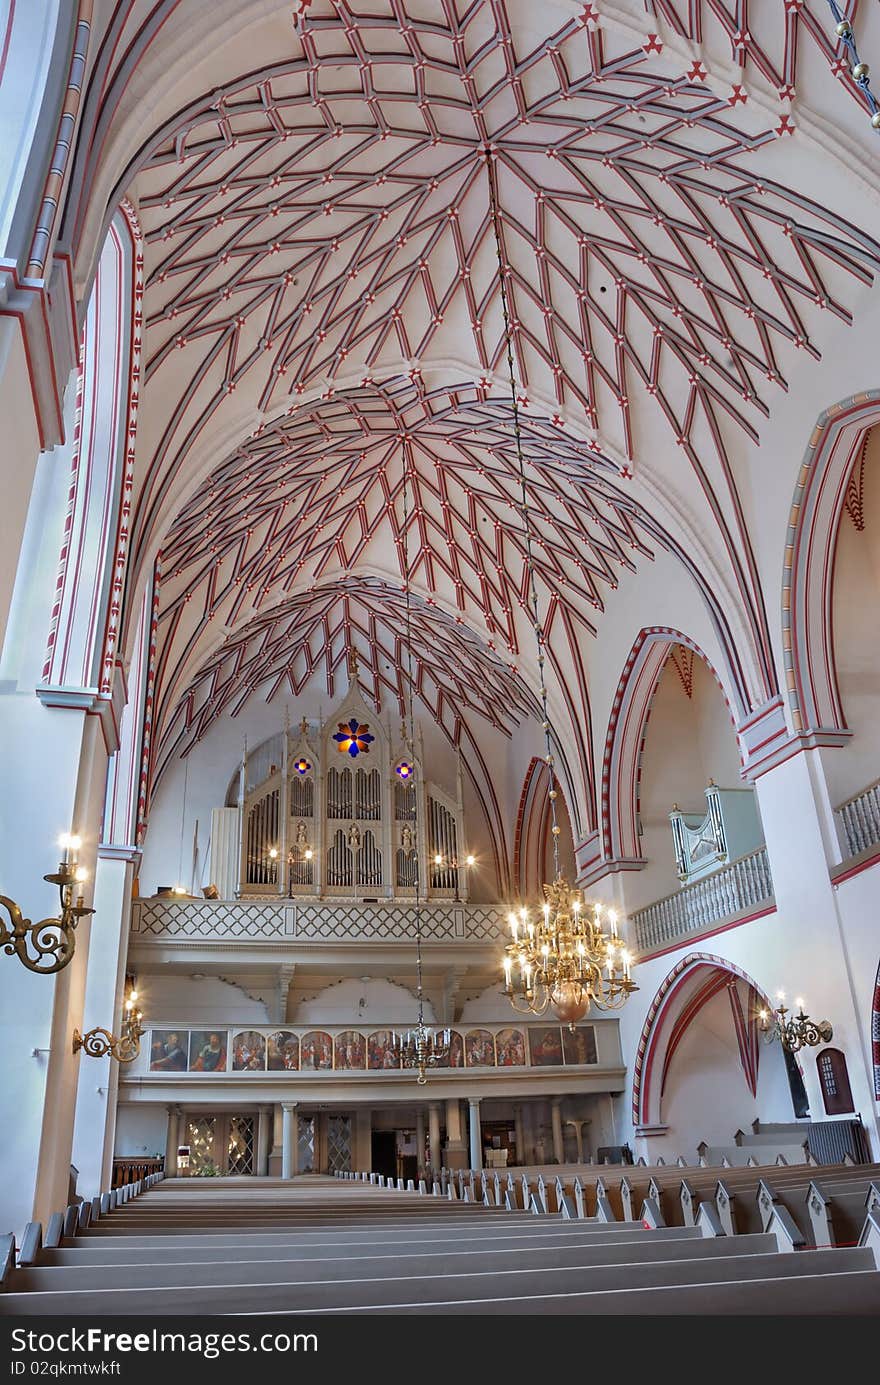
208,1170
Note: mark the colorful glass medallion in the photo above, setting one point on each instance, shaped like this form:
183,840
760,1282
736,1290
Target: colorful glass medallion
353,738
404,770
302,765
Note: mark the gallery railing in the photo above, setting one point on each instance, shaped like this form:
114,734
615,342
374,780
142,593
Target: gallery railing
859,820
319,921
744,885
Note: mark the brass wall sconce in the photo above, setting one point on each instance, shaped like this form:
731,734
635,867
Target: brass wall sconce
125,1047
48,945
800,1031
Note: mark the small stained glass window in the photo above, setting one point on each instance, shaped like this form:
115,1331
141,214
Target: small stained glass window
353,738
404,771
302,765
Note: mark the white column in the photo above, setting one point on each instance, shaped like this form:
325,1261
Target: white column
263,1142
363,1139
556,1122
476,1133
289,1139
804,948
172,1140
456,1149
420,1139
97,1091
578,1139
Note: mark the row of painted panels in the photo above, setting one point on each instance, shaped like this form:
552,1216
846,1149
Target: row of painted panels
250,1050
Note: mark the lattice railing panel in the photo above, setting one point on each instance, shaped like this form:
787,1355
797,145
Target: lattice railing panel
165,920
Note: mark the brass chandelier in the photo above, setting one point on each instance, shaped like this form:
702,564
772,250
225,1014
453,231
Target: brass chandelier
421,1047
794,1033
564,960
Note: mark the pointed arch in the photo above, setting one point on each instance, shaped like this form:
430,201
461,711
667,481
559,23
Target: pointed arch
691,984
618,842
875,1034
808,572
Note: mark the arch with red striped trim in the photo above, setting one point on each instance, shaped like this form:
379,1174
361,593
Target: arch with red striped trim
691,984
625,740
875,1035
808,574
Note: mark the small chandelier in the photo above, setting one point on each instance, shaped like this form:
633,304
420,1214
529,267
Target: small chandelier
53,940
565,960
797,1032
124,1047
422,1048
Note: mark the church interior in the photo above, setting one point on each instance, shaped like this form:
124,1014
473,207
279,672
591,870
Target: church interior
440,656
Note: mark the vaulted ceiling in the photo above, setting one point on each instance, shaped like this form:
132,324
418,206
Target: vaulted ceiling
324,328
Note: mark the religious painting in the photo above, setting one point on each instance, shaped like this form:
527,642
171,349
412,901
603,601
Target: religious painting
207,1050
380,1051
545,1046
580,1047
168,1050
455,1057
282,1051
248,1052
479,1046
510,1046
351,1051
316,1051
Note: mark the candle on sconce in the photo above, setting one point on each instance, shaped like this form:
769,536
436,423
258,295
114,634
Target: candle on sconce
70,844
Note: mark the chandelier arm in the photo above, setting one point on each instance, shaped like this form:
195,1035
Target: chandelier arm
533,614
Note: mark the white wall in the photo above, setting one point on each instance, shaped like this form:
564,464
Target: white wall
707,1097
360,1002
141,1130
208,999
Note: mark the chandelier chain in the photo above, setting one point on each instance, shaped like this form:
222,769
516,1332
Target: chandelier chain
411,725
532,585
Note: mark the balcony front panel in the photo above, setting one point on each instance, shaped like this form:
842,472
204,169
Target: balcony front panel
319,921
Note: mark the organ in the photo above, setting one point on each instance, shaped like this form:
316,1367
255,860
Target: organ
342,809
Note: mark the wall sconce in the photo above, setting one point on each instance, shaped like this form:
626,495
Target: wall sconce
796,1033
53,939
125,1047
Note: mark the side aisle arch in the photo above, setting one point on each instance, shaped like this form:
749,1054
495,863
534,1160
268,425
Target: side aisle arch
625,739
808,573
691,984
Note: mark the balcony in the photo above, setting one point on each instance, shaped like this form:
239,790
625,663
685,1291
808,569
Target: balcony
166,920
742,888
858,820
